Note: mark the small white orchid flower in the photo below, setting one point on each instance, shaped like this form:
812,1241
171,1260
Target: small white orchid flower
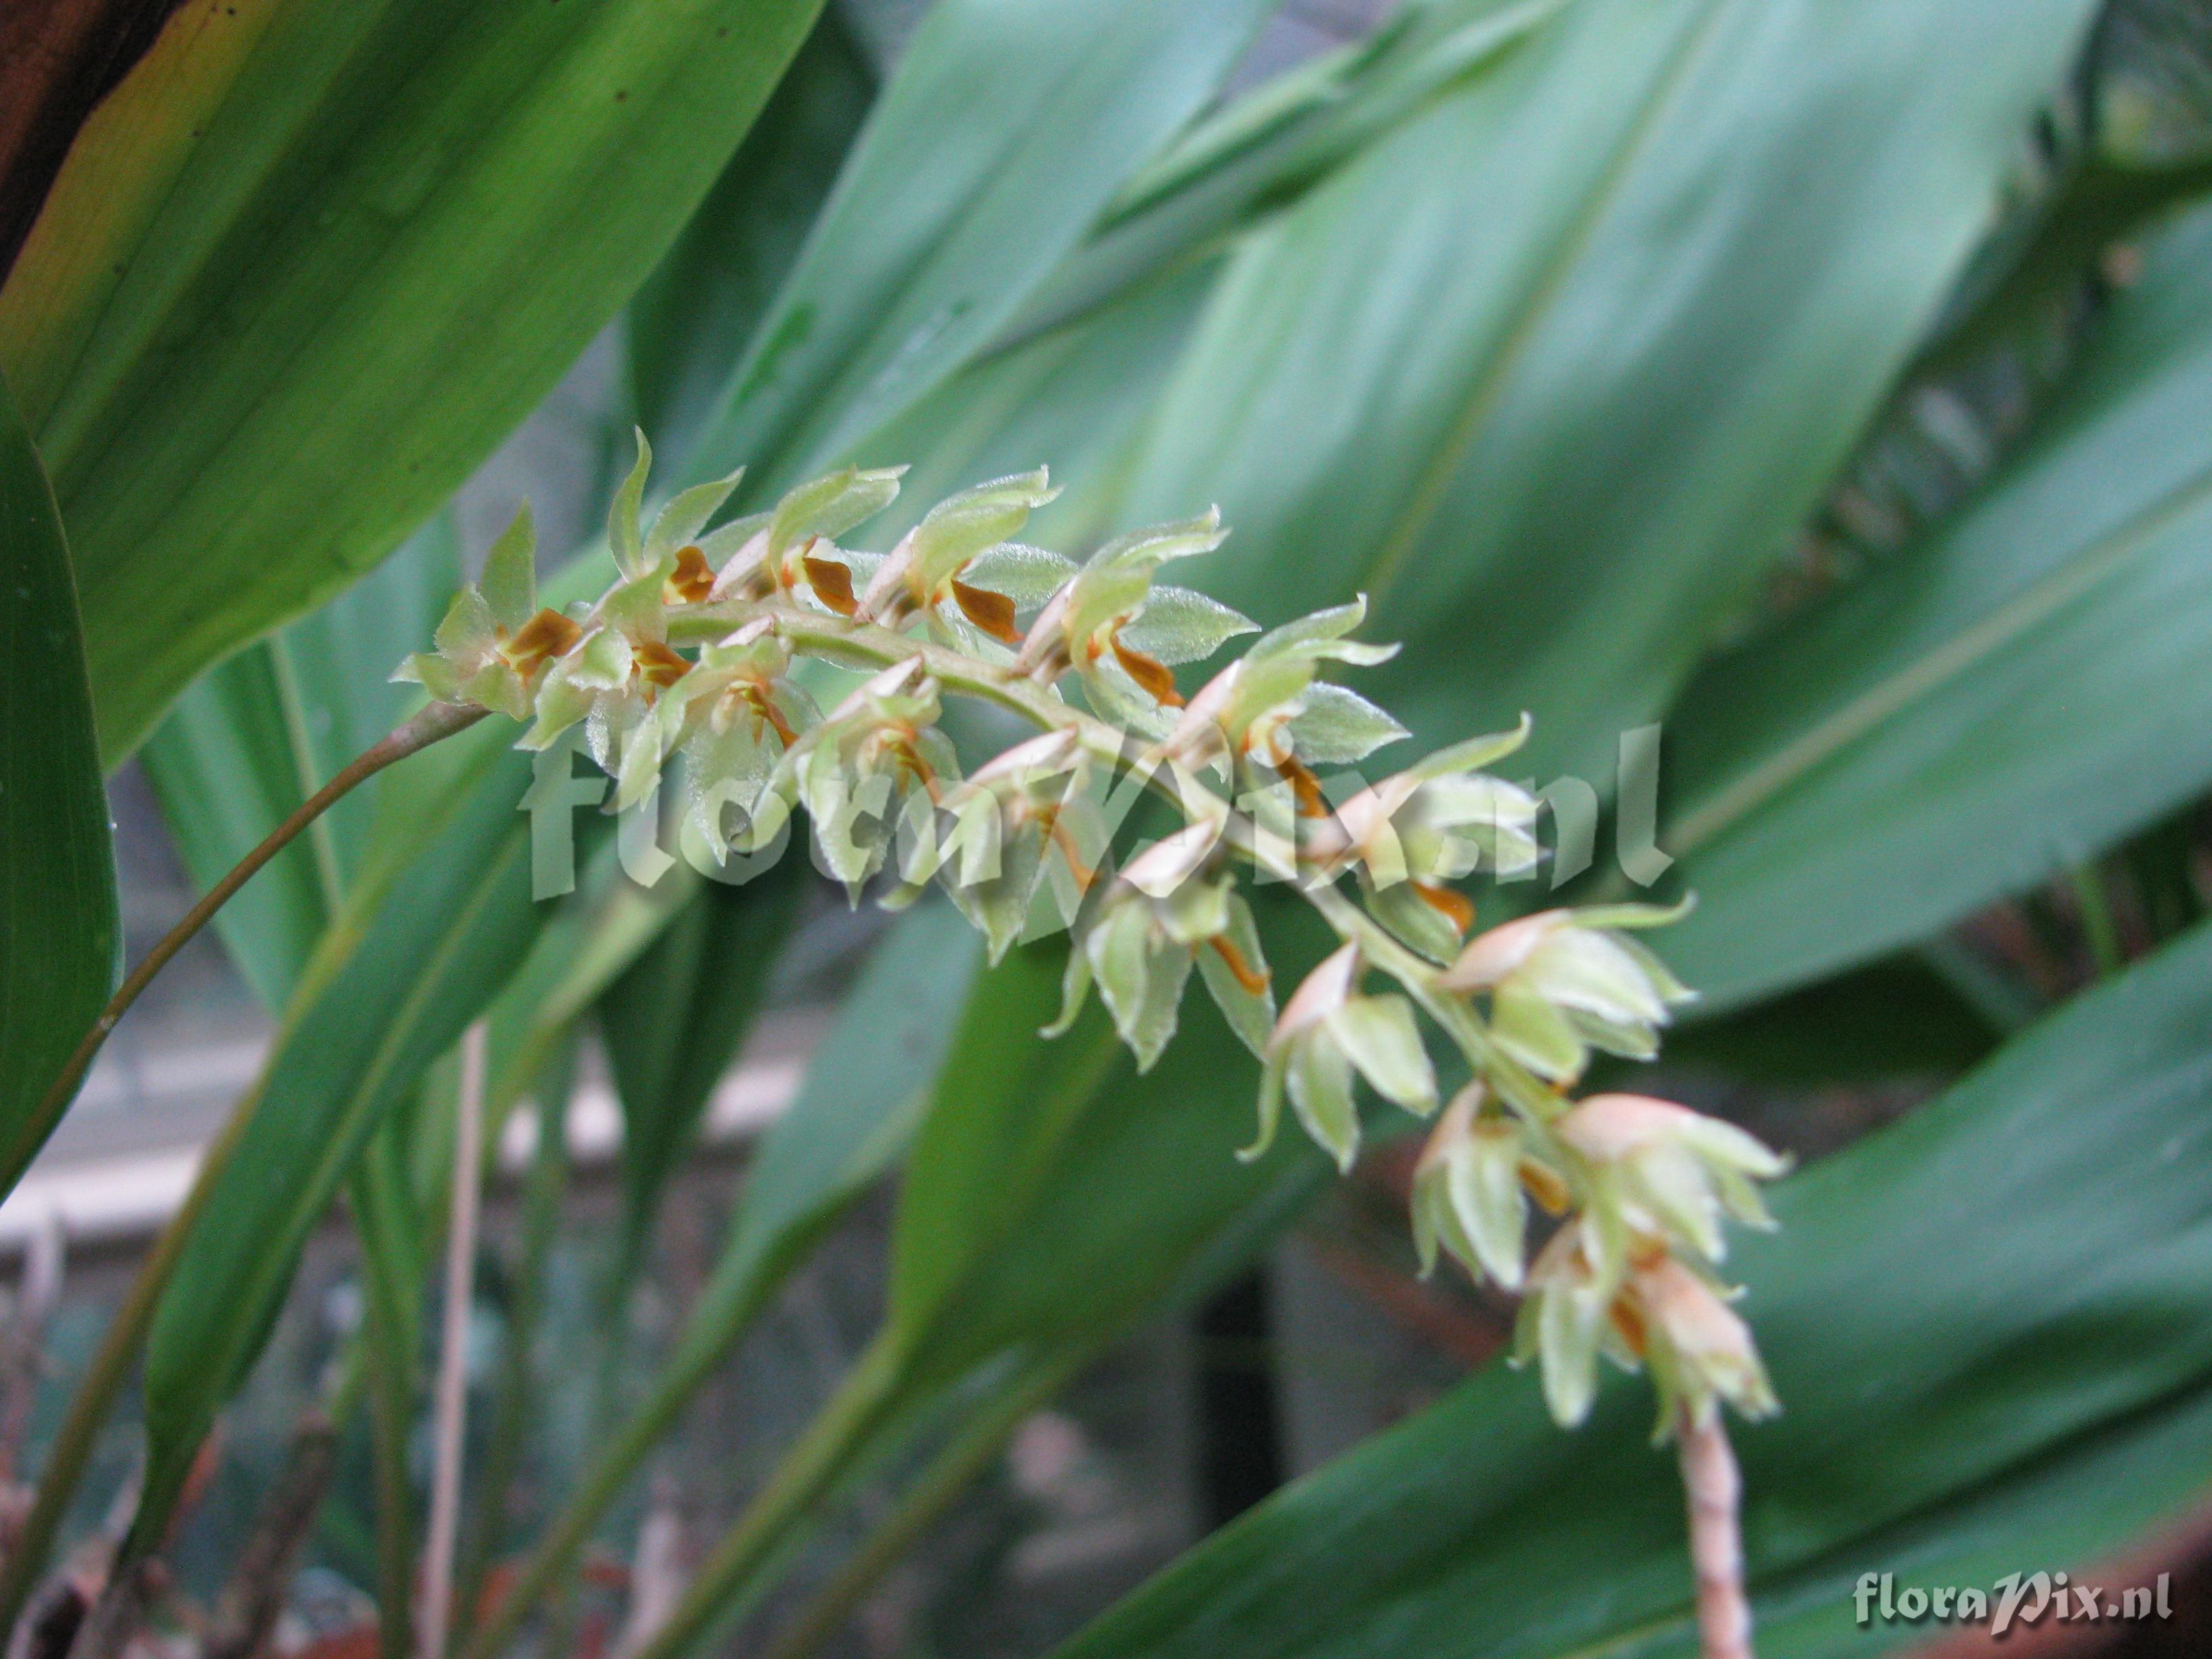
1471,1187
1122,633
1164,916
1562,983
1674,1172
1327,1032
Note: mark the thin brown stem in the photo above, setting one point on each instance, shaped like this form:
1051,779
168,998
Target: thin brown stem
451,1404
246,1612
440,719
1714,1487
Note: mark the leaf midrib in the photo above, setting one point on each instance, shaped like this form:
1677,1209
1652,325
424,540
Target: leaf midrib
1421,509
1918,680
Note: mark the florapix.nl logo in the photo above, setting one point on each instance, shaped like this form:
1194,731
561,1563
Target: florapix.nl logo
648,847
2014,1602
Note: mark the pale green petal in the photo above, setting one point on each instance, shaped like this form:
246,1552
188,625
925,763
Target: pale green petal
831,505
1270,1107
686,515
1533,1032
510,571
1142,984
1472,754
961,526
1027,575
1337,726
1578,968
1483,1177
1250,1014
1147,549
602,662
1569,1326
497,687
1074,985
1297,638
466,634
561,703
623,536
1635,915
1179,625
724,541
1381,1038
1412,920
1319,1076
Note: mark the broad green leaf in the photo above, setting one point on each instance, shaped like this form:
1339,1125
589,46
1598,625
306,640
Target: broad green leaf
1894,1019
1975,1319
1266,147
254,736
1554,369
310,262
675,1018
60,941
2030,685
855,1112
1005,128
1073,399
393,988
691,319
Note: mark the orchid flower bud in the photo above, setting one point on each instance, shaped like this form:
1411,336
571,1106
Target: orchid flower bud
1467,1192
1672,1171
1567,1320
1006,827
855,770
1700,1349
1434,823
732,719
1327,1032
1562,983
793,548
924,570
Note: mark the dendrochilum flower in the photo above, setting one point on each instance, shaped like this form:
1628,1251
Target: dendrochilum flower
732,718
1562,983
791,549
1268,706
1470,1190
1431,824
1700,1349
1670,1171
1327,1032
1164,914
856,770
1122,633
495,640
1007,829
923,574
1569,1318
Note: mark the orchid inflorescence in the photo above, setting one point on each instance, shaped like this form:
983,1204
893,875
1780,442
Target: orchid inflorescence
698,655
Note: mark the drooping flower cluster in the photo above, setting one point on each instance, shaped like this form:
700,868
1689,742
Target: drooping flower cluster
713,653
